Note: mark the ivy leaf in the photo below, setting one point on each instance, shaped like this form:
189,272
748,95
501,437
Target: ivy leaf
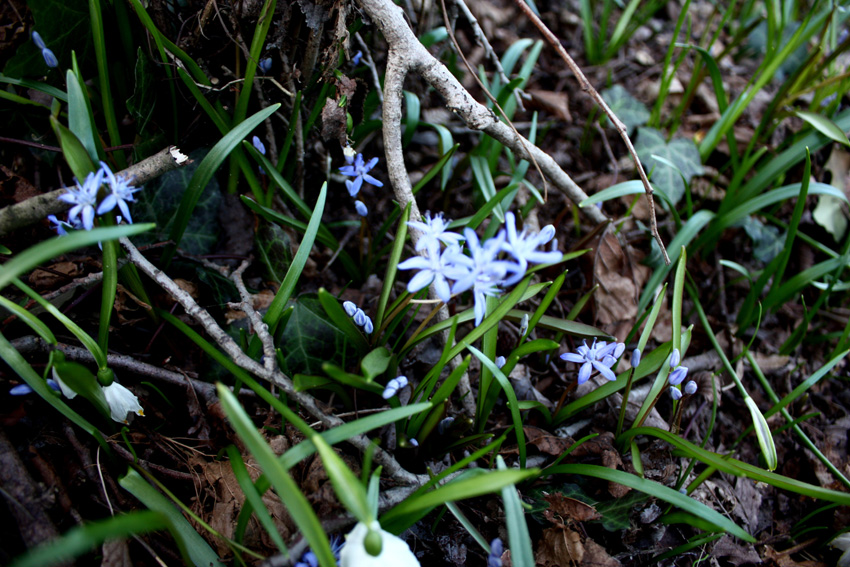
310,339
65,26
767,240
275,250
680,153
628,109
159,201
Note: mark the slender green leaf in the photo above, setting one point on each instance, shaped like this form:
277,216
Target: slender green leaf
657,490
88,537
32,257
272,316
198,550
518,536
825,126
286,488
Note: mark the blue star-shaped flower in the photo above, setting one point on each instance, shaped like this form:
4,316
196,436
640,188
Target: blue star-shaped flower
359,170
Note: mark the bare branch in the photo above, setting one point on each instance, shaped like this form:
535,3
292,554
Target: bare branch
231,348
597,98
37,208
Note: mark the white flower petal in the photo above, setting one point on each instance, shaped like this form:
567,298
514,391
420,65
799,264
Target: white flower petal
121,401
394,551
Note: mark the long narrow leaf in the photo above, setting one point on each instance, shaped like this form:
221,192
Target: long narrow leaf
657,490
292,497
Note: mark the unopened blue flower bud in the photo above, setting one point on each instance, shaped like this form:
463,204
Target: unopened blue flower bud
635,358
361,209
444,425
413,442
356,59
523,325
368,327
36,38
359,318
619,350
678,376
350,308
675,358
547,233
265,65
500,361
691,388
49,58
676,393
259,145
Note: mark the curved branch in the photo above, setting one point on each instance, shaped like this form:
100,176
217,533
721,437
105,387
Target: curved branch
412,55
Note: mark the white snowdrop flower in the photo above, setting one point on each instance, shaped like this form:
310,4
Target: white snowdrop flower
121,401
65,389
394,551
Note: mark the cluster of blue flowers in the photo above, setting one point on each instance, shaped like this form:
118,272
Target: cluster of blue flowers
87,200
486,269
677,376
359,316
600,356
394,386
358,168
49,58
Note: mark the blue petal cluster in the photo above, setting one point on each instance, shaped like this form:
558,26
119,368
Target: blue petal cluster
393,387
485,268
600,356
87,200
678,375
359,316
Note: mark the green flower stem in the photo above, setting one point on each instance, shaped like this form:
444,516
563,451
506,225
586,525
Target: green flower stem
110,286
800,433
626,393
422,325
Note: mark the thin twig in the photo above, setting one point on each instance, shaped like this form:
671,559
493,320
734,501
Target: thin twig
597,98
260,327
276,377
370,63
489,95
481,39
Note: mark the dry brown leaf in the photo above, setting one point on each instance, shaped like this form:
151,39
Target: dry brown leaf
616,296
567,507
60,273
783,559
333,121
559,548
189,287
556,103
116,554
596,556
